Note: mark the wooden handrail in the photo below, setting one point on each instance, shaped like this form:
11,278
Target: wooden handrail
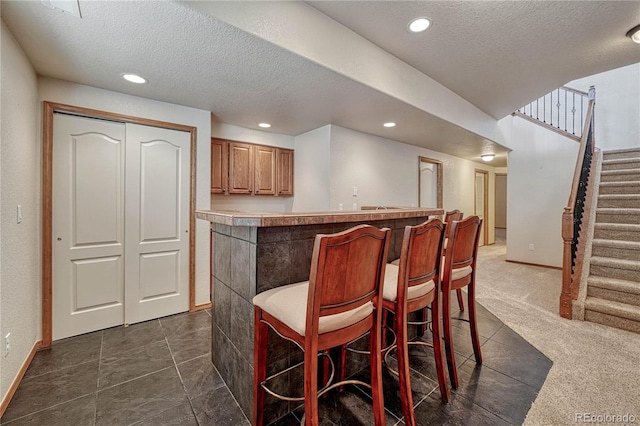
570,278
577,92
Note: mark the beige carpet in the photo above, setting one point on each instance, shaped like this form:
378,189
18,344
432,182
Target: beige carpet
596,369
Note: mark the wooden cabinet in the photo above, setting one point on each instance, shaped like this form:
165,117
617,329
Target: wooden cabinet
284,171
249,169
264,178
240,168
219,166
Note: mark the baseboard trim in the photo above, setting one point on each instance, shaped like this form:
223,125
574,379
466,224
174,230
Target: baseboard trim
16,382
201,307
535,264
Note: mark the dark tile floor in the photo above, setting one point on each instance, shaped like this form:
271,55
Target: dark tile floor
160,373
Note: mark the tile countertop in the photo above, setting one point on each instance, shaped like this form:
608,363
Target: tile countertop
240,218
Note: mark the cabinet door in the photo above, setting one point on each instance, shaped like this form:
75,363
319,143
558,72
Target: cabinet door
265,170
219,166
284,172
240,168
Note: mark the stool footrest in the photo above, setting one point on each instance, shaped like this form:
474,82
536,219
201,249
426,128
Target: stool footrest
325,388
391,370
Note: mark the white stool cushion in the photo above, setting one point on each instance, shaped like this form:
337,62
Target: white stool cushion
456,274
390,290
289,305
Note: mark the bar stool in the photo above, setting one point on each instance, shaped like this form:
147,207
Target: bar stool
411,287
341,301
448,218
460,271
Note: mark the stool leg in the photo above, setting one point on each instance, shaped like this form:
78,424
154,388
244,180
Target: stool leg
404,375
460,301
473,323
261,332
448,338
375,360
311,385
438,350
423,319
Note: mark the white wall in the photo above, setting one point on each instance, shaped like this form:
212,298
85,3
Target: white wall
91,97
386,173
247,202
312,179
20,247
617,106
541,169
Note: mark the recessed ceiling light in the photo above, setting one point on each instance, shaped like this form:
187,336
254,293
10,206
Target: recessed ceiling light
487,157
389,124
264,125
634,34
134,78
419,25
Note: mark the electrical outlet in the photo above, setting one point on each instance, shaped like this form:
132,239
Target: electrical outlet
532,247
6,344
355,191
19,214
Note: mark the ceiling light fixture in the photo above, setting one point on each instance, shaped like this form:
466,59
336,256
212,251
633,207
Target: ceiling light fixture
487,157
389,124
634,34
419,25
264,125
134,78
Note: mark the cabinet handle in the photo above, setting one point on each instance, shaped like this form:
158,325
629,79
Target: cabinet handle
257,190
224,190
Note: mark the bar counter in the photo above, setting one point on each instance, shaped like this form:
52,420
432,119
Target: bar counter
253,252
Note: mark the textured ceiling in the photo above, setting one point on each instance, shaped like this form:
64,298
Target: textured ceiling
499,55
194,58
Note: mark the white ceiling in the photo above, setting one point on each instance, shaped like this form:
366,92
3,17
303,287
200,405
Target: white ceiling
495,55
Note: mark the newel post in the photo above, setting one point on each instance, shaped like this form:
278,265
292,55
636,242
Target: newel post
567,237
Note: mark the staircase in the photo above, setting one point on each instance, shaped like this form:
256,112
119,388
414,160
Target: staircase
613,285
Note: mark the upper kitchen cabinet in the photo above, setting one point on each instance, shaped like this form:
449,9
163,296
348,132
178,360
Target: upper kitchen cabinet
240,168
249,169
284,171
219,166
265,170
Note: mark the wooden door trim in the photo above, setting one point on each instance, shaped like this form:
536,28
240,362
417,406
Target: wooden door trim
486,202
47,200
439,175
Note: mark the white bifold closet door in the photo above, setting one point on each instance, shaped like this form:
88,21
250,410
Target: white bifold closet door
120,223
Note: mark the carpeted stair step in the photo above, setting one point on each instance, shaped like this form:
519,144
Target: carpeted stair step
620,291
613,215
621,175
628,187
617,231
621,154
612,314
616,249
621,163
621,269
622,201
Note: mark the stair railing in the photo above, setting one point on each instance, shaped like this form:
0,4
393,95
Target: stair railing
563,110
574,217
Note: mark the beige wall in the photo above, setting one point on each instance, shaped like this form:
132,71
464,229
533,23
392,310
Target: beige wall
20,247
541,168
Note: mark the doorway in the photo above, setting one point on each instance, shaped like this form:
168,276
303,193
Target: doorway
429,183
118,220
481,204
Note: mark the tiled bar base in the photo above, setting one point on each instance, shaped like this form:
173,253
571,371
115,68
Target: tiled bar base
248,260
